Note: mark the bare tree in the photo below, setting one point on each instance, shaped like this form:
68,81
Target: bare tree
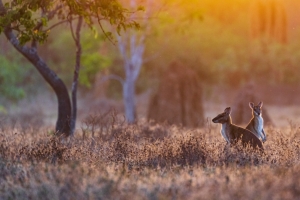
131,45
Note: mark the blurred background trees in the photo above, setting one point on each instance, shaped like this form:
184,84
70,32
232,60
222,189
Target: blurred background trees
269,20
25,25
235,42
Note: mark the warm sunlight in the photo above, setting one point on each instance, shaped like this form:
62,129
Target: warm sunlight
149,99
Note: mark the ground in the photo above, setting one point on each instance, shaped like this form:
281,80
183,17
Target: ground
109,160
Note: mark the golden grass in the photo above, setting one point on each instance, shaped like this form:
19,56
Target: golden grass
146,161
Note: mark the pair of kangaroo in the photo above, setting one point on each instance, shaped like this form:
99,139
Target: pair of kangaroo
253,132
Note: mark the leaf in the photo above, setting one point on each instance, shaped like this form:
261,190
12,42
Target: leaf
95,32
44,21
140,8
23,38
119,29
27,14
123,26
3,110
109,34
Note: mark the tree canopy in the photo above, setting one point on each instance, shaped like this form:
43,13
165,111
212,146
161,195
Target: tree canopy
28,17
24,21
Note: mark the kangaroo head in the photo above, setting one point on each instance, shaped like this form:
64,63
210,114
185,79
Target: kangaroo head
256,109
223,117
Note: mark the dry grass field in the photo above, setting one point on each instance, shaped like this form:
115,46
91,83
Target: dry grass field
110,160
209,52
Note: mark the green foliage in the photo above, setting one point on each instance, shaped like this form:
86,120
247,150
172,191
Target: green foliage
92,63
19,15
29,20
18,78
94,56
27,17
11,79
3,110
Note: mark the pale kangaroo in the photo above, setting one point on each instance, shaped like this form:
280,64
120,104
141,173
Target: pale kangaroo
256,124
233,133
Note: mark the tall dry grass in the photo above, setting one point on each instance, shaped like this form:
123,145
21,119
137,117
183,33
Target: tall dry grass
110,160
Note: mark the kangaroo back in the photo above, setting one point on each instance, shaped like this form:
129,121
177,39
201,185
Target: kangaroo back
233,133
247,137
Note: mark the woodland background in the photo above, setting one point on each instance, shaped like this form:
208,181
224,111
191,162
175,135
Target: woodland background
227,43
200,57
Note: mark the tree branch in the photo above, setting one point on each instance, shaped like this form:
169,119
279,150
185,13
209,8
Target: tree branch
2,9
57,24
102,29
112,77
72,31
122,47
50,15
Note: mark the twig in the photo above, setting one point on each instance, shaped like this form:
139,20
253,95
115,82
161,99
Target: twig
113,77
72,30
61,22
102,29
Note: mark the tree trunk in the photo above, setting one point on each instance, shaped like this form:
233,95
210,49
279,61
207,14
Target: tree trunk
178,99
75,77
129,100
64,104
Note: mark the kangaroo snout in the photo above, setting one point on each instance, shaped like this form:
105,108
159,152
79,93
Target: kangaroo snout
257,113
214,120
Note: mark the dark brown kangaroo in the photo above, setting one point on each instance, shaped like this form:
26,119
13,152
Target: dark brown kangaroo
233,133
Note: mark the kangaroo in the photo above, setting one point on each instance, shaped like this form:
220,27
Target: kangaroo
256,124
233,133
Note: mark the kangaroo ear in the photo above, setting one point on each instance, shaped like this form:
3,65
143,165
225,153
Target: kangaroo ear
251,105
227,110
260,104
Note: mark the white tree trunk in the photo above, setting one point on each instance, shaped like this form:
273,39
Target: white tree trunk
132,45
129,100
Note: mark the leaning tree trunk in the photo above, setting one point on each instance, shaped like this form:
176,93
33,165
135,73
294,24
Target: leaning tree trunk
64,104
